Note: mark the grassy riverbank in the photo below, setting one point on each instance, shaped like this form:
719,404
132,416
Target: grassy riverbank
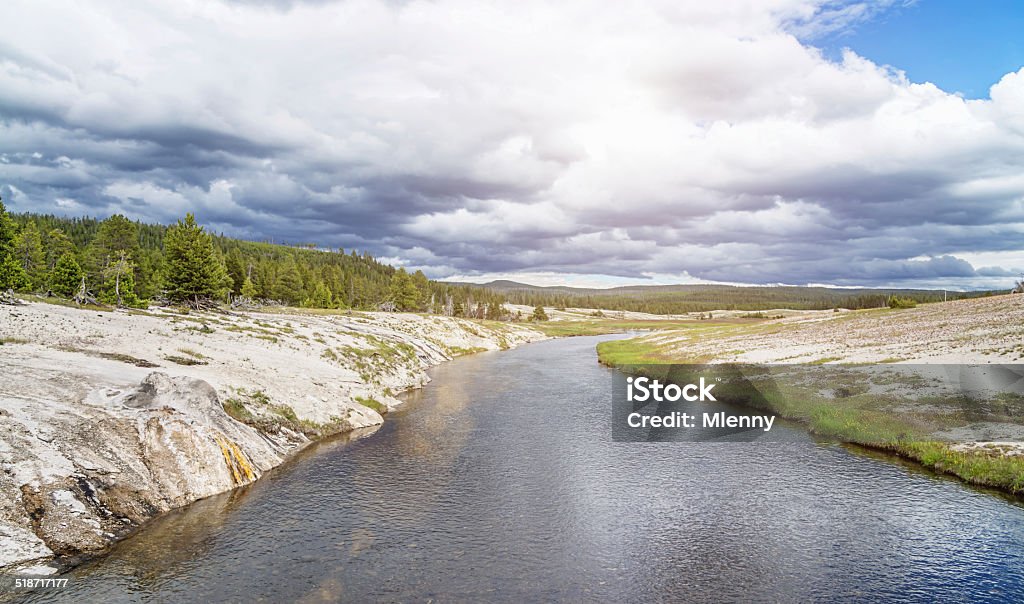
896,414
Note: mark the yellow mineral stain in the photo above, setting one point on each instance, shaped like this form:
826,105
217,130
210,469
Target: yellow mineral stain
241,469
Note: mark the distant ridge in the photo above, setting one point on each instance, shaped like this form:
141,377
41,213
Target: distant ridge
504,285
701,297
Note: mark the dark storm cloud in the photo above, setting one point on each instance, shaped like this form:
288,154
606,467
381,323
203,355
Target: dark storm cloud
470,139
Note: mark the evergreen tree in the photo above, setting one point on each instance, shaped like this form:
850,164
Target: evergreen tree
539,314
403,291
248,289
495,311
192,272
66,276
28,251
7,232
57,244
148,273
235,271
422,285
321,297
115,235
288,287
265,281
12,276
119,283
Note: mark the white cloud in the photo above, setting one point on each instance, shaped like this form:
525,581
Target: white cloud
466,137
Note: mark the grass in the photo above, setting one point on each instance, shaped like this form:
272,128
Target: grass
458,351
13,340
595,327
124,358
651,349
377,357
372,403
180,360
111,356
254,408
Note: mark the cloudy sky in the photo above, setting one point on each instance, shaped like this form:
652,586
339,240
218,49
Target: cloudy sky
750,141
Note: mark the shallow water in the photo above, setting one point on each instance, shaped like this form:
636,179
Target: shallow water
499,481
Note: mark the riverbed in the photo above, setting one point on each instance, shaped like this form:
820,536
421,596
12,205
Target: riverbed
500,481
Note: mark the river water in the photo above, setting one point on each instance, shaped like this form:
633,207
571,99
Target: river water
500,481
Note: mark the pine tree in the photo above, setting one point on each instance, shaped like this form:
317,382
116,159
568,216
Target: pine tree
12,276
248,289
115,235
148,274
495,311
57,244
422,285
235,271
321,297
119,283
192,272
288,286
66,276
403,291
7,232
28,251
539,314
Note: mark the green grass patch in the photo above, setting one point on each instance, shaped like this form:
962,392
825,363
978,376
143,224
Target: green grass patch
598,327
372,403
110,356
188,361
377,356
254,408
458,351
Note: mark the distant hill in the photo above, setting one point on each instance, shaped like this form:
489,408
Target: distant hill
684,298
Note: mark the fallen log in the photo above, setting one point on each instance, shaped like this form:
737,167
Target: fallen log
8,298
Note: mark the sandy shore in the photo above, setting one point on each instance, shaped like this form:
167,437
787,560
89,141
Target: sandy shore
109,418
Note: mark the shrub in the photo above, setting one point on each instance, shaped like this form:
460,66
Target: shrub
898,302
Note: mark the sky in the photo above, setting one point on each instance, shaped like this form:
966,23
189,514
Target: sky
835,142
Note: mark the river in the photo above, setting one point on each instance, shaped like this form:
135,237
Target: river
499,481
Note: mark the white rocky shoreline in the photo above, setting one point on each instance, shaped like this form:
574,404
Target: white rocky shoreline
108,419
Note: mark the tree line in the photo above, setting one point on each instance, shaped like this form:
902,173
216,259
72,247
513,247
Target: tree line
703,298
130,263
